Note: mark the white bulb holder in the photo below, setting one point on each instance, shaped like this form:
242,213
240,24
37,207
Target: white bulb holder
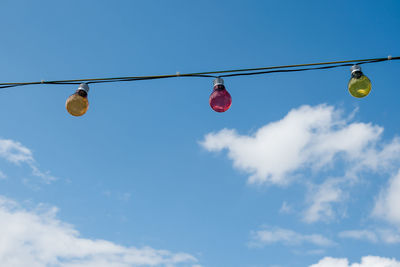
355,68
84,87
218,81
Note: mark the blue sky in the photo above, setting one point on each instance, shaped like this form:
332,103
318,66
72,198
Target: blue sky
296,173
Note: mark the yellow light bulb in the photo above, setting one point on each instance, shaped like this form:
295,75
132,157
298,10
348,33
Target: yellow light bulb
359,84
77,104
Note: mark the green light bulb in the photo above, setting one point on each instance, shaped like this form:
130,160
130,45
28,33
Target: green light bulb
359,84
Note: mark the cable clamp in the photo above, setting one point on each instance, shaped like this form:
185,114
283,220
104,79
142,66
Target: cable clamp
390,57
178,74
42,81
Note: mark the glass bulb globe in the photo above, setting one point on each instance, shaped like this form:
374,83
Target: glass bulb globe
220,100
359,84
77,104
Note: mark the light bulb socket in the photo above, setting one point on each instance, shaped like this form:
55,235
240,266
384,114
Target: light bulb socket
355,68
84,87
218,81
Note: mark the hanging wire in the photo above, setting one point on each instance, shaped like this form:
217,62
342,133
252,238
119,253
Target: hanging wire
214,74
302,69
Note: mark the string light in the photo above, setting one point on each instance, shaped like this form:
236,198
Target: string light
77,104
220,100
359,84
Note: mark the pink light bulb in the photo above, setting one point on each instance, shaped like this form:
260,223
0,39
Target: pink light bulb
220,99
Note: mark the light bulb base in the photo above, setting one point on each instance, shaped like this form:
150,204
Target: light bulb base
84,87
218,81
355,68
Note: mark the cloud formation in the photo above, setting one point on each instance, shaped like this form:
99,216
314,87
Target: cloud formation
360,235
307,137
367,261
16,153
321,198
308,142
287,237
38,239
387,236
387,204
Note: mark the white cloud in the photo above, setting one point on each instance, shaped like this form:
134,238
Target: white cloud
285,208
315,251
387,204
287,237
16,153
321,198
39,239
307,137
310,141
388,236
360,234
367,261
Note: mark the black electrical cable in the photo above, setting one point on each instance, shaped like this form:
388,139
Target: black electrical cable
302,69
230,73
